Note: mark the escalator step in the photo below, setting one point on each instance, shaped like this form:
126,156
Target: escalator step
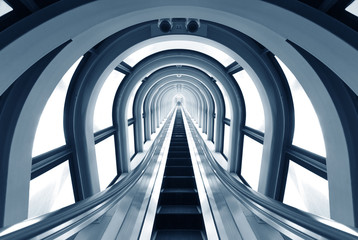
178,148
179,209
168,197
179,154
178,135
178,142
179,162
179,234
178,171
179,190
179,221
179,182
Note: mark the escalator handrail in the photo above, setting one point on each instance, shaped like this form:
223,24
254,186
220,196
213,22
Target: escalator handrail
69,220
286,219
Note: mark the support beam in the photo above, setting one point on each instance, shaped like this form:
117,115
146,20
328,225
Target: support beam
234,68
124,68
49,160
78,120
15,149
342,175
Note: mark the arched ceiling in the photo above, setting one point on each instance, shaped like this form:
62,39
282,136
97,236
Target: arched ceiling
251,33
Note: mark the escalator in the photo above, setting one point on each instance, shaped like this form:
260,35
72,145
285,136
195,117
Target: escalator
171,208
178,214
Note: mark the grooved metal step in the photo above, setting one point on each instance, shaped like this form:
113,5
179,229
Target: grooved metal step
178,171
179,213
181,234
179,162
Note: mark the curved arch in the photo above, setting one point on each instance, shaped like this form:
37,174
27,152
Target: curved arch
16,57
152,98
240,15
187,90
203,90
161,75
200,98
199,101
148,111
187,58
14,193
105,53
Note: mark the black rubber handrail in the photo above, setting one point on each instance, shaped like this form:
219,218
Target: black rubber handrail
288,220
67,221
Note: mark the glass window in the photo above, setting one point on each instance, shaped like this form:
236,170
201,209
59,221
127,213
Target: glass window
226,140
106,162
353,8
148,50
103,111
49,132
143,128
306,191
4,8
226,100
214,126
131,101
255,117
308,134
51,191
131,140
251,162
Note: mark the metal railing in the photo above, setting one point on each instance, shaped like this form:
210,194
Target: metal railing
290,221
71,219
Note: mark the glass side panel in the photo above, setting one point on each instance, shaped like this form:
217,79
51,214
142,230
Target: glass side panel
251,162
255,117
148,50
49,132
306,191
143,128
4,8
226,100
226,140
308,134
353,8
106,162
214,126
103,110
131,101
131,140
51,191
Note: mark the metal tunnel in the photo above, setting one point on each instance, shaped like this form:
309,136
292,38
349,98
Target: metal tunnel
206,119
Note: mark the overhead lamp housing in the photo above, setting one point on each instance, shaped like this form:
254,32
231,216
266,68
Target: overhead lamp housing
165,25
192,25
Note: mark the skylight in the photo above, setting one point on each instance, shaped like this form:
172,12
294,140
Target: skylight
4,8
353,8
146,51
